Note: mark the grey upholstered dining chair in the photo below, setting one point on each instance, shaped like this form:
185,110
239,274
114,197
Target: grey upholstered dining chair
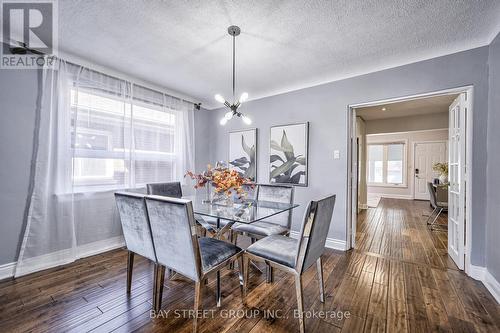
136,229
439,200
296,255
174,190
276,225
179,248
169,189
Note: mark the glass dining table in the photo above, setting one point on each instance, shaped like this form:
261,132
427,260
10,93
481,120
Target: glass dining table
241,211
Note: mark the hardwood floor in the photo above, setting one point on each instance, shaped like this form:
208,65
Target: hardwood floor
398,279
396,229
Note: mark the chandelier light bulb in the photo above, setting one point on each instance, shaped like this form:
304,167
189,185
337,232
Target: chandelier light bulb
219,98
228,115
243,97
223,121
246,120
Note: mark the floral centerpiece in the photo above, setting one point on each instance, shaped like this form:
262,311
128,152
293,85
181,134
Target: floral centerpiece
225,182
442,169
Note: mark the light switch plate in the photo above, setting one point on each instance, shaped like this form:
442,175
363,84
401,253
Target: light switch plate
336,154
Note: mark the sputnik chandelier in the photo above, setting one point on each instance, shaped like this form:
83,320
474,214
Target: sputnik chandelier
233,108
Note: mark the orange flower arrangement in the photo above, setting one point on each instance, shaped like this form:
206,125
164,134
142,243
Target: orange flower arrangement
223,179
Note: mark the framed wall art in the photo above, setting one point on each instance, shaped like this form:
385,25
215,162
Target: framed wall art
243,152
288,152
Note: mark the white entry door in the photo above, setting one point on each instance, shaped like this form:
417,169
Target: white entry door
456,177
425,155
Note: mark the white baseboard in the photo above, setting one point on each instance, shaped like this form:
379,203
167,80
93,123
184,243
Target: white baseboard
331,243
394,196
7,270
477,272
482,274
492,285
90,249
67,256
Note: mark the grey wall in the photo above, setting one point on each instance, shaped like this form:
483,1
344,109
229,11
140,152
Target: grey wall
406,124
325,107
493,197
18,95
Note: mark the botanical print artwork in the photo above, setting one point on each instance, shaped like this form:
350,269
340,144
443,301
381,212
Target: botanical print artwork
243,152
288,154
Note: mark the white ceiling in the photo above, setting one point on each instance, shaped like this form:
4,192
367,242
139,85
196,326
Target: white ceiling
420,106
284,45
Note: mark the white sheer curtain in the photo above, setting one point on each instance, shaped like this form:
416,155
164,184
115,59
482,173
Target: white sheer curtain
96,134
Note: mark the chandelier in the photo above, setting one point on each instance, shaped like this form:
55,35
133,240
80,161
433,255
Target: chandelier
233,108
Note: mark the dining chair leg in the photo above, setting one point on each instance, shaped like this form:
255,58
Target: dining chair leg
158,286
430,216
269,273
245,266
241,276
435,219
217,290
300,302
155,286
130,267
197,302
161,281
319,266
232,240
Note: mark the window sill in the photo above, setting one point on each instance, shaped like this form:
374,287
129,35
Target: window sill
99,190
387,185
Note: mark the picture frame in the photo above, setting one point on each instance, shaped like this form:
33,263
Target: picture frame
242,152
288,154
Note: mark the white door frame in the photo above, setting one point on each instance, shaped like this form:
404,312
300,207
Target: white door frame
352,177
415,143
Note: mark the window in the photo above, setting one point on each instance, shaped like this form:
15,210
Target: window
119,142
386,164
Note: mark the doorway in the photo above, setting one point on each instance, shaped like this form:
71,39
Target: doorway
459,156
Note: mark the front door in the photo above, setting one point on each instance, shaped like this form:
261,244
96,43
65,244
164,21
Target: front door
426,155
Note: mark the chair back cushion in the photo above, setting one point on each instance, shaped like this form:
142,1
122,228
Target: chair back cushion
314,232
135,223
174,234
171,189
442,194
278,193
432,194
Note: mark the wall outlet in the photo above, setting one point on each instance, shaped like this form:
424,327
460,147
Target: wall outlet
336,154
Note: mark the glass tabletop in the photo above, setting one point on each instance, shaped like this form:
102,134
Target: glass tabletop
248,211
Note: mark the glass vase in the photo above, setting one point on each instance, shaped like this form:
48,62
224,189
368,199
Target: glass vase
222,199
208,194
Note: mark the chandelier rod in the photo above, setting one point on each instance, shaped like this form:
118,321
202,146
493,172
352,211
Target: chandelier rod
234,47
